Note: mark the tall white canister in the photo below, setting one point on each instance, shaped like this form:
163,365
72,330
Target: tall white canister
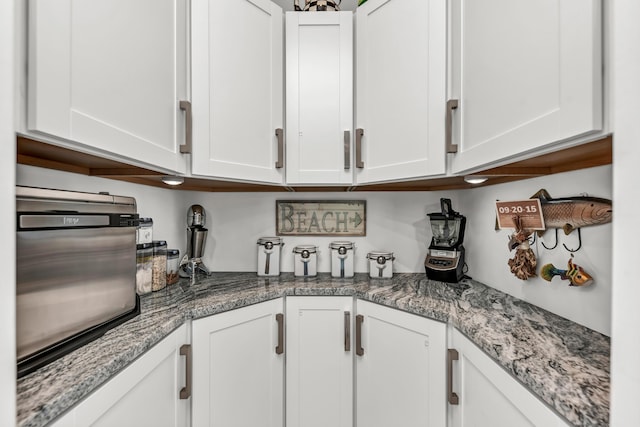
269,256
305,261
341,259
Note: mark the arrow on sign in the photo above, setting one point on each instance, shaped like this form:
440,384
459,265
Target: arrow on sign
356,220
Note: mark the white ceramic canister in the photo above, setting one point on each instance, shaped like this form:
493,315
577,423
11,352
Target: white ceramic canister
305,261
380,264
341,259
269,256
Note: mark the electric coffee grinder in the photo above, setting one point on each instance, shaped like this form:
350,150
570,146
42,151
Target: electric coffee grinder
445,256
196,237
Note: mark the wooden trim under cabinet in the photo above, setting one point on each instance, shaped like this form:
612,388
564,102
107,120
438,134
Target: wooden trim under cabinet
40,154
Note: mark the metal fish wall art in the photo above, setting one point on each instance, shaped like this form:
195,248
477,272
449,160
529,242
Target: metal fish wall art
574,273
570,213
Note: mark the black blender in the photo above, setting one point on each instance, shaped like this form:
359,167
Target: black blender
445,256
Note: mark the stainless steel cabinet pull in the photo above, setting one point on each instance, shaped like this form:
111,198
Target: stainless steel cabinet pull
280,346
347,331
452,104
347,150
359,321
359,135
452,354
185,392
280,136
188,126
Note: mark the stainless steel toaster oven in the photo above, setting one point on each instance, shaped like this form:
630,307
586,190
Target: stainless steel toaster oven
76,270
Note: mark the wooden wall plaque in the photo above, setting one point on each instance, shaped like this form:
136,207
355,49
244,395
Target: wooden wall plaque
321,218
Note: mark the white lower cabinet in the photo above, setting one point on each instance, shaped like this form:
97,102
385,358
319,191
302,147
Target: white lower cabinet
319,362
147,393
238,367
488,396
400,368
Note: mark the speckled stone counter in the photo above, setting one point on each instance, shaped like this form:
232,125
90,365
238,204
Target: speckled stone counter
565,364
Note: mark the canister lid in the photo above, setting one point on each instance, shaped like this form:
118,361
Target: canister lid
144,246
157,243
173,253
145,222
381,257
302,248
273,240
338,245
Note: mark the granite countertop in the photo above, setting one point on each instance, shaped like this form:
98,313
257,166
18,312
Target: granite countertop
565,364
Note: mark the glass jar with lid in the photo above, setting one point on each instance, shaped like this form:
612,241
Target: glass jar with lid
144,232
341,259
173,263
305,261
159,279
144,267
269,256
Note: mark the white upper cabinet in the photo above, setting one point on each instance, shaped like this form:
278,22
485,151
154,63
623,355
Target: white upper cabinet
527,74
401,59
237,89
110,75
319,97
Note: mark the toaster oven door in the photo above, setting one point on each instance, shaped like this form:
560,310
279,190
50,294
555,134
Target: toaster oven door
69,281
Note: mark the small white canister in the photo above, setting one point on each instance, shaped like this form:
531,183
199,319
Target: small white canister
305,261
380,264
341,259
269,256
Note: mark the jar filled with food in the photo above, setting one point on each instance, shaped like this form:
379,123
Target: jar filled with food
144,232
380,264
159,279
341,259
269,256
173,263
144,267
305,261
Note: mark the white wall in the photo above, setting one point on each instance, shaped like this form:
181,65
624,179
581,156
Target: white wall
164,206
396,222
7,218
487,252
625,369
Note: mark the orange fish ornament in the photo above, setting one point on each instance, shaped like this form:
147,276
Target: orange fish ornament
574,273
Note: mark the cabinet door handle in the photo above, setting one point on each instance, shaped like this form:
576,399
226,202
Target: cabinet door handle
280,137
359,135
359,321
452,354
280,346
452,104
188,127
347,150
347,331
185,392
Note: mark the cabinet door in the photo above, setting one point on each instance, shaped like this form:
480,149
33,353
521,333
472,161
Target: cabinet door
401,51
401,372
521,88
110,75
319,362
238,375
319,58
237,88
145,394
489,397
